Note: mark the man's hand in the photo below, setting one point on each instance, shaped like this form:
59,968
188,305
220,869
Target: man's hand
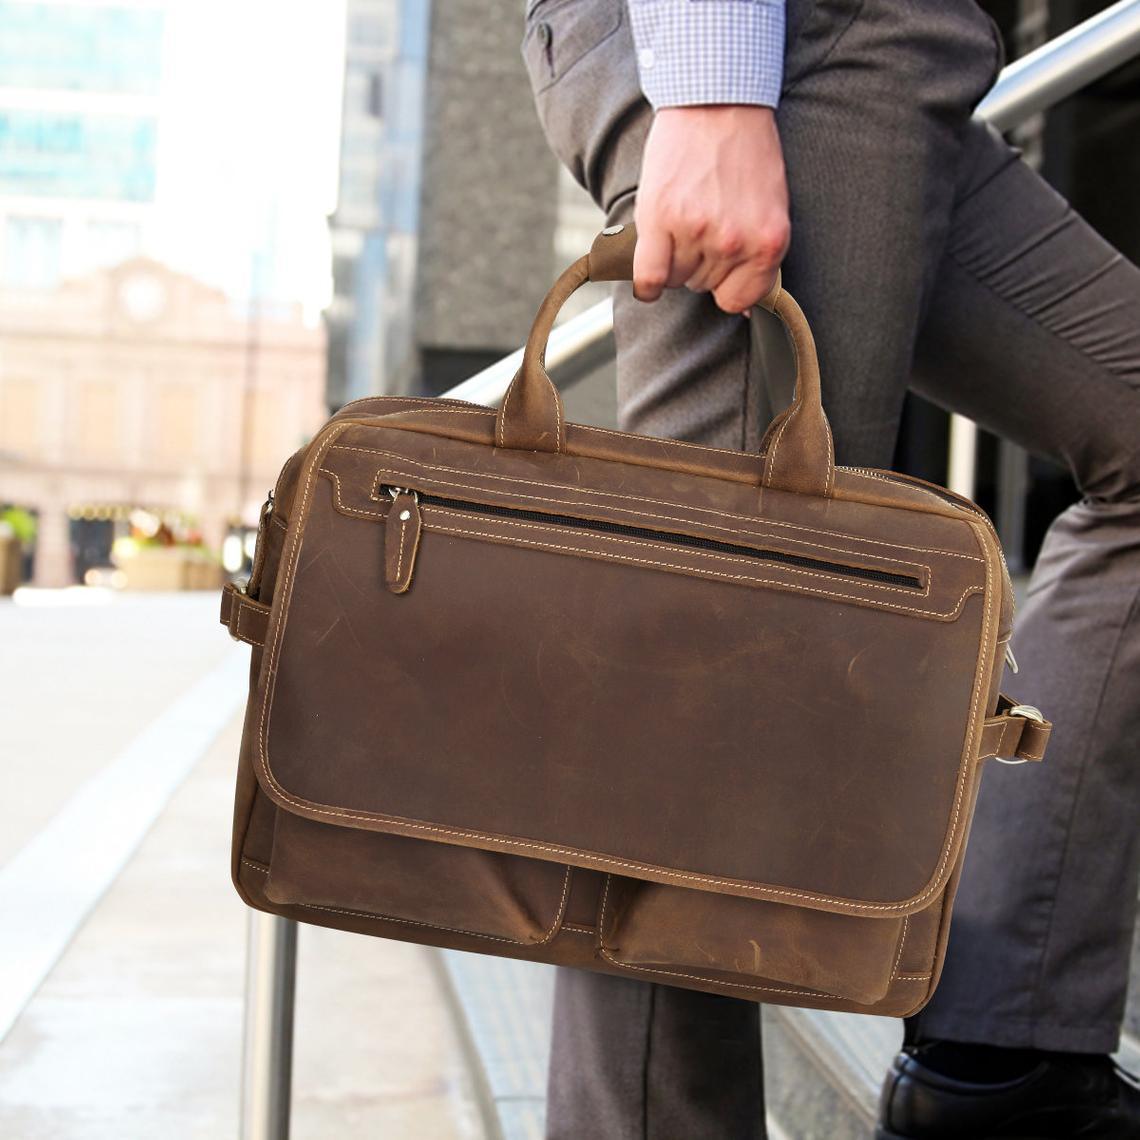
712,206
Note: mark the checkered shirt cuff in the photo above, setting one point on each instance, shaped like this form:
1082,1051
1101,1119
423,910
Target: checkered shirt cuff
709,51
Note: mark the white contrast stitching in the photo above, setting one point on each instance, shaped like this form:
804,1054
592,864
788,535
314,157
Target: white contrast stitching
428,525
830,456
563,506
428,402
736,560
733,559
863,473
746,889
885,603
667,440
435,925
244,608
694,977
400,559
902,942
770,457
659,502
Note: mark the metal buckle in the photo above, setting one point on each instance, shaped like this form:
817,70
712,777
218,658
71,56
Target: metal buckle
1029,712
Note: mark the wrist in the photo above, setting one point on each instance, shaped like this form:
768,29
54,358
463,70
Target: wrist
719,114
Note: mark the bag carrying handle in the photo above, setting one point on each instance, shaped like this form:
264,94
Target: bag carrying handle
797,450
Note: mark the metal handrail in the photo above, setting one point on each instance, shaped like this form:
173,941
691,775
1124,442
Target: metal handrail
1063,66
1026,87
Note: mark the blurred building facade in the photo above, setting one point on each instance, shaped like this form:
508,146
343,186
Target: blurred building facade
136,386
79,112
443,236
373,229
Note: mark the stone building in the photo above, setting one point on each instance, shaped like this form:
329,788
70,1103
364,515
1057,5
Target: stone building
138,387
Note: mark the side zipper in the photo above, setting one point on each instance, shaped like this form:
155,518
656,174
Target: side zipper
404,525
253,585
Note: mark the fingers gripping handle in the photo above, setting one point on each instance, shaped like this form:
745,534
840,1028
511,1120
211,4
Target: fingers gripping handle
797,448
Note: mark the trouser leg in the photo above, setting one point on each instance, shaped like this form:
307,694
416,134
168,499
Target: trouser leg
877,94
1034,331
632,1060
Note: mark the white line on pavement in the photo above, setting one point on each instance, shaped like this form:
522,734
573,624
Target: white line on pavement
51,884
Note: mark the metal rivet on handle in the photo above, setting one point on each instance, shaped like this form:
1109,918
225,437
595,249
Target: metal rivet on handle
609,231
405,515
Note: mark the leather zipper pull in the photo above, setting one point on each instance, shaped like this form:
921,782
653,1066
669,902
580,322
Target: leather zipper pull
401,539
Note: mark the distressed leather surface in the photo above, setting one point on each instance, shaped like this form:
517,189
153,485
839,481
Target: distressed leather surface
627,704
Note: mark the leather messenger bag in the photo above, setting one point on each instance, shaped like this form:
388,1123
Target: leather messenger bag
529,688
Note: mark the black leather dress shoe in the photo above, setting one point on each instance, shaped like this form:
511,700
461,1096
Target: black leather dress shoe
1062,1097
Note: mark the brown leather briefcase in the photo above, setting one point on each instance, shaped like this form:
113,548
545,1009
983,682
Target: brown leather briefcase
672,712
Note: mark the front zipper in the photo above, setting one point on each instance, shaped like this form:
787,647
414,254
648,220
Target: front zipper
960,501
404,500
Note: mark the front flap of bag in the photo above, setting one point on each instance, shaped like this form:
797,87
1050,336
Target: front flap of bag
657,673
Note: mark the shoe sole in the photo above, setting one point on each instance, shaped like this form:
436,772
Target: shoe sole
883,1134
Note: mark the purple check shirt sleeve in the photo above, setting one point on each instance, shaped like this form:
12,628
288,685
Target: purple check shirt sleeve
709,51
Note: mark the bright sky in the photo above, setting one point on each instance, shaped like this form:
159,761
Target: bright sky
249,142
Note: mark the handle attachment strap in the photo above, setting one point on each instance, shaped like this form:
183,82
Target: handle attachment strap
797,448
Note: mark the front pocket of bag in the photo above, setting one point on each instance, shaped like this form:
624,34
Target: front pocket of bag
652,926
461,890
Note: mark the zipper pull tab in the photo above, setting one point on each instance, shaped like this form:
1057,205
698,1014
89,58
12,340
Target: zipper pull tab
401,539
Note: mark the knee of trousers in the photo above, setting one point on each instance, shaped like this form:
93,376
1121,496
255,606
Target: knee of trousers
1105,460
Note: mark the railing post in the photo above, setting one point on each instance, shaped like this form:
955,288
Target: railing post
961,474
267,1062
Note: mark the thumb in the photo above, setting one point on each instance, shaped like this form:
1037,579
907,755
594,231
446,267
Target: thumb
652,260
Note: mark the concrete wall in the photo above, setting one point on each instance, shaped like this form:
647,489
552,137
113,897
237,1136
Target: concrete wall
490,192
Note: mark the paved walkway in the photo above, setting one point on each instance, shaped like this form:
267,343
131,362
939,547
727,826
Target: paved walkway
123,944
135,1030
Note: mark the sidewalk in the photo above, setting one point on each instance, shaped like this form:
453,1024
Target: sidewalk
136,1030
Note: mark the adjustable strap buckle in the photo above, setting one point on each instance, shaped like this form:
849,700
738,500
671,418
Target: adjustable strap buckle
1028,712
246,619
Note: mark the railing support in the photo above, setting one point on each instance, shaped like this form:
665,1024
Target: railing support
267,1062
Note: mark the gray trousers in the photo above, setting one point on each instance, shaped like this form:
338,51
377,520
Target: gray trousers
925,254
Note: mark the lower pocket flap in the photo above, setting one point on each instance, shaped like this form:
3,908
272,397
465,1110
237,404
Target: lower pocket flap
651,924
416,881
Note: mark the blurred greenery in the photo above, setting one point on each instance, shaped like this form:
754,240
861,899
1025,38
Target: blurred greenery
22,523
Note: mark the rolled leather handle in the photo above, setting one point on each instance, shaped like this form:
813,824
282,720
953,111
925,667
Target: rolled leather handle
797,448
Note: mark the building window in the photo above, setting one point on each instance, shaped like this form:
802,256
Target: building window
32,249
20,420
375,105
86,47
98,424
176,438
